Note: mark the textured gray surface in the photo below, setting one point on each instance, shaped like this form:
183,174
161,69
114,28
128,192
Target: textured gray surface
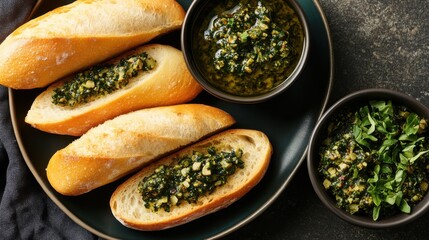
376,44
380,44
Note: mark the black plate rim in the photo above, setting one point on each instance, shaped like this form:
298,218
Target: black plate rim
252,216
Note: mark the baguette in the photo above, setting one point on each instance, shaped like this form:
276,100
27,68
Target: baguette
79,35
128,207
126,143
168,83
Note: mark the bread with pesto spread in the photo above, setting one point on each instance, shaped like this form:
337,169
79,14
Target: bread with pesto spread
126,143
79,35
168,83
128,206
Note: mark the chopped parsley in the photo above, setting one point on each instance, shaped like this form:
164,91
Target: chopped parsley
192,176
375,159
101,80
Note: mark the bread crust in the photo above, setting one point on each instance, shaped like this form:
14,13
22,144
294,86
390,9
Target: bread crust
79,35
168,84
121,202
126,143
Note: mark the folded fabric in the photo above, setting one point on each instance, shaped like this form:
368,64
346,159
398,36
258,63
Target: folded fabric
26,211
12,14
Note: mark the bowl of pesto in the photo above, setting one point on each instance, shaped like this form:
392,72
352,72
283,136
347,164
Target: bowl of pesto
245,51
368,158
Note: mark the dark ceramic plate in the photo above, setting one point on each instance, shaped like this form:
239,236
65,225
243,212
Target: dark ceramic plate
288,120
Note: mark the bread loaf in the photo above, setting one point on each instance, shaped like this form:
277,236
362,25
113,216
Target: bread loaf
124,144
128,207
168,83
79,35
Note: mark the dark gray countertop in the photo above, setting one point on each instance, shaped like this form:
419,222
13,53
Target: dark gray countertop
376,44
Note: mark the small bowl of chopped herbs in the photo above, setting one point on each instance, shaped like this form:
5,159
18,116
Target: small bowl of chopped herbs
368,158
245,51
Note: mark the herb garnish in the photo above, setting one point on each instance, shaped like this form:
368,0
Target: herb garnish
376,159
101,80
193,176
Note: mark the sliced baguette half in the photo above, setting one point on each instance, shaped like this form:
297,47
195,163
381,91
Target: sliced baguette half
128,207
80,34
168,83
126,143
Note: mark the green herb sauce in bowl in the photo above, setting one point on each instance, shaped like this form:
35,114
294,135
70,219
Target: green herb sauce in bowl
368,158
245,50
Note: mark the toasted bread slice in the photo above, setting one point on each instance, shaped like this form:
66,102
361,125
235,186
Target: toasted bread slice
79,35
126,143
168,83
128,207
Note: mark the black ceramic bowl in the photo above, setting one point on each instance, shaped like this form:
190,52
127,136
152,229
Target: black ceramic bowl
198,13
356,99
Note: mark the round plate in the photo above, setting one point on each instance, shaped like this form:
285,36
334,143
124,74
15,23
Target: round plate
288,120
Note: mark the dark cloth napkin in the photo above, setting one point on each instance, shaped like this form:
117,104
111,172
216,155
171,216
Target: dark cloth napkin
26,212
12,14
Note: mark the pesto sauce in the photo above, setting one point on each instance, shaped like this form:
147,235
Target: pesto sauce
193,176
101,80
250,47
383,174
